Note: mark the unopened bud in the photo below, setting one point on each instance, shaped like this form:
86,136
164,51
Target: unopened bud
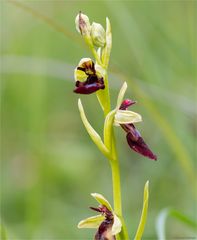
98,34
83,24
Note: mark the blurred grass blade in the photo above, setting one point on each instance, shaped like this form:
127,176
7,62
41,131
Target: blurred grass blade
160,224
93,134
3,233
49,21
142,223
162,218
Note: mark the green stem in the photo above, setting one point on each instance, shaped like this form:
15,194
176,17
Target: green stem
104,99
117,188
115,169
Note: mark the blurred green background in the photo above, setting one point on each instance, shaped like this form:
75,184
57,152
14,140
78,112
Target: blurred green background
50,166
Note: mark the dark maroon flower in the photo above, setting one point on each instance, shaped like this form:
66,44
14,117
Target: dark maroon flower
104,231
87,79
134,138
107,223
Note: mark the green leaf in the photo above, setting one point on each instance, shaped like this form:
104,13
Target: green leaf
142,223
101,200
91,222
125,116
168,212
93,134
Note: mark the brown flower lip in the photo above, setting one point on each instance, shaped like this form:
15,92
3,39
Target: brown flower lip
104,230
134,139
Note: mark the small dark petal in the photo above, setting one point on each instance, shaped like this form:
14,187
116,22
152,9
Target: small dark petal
95,209
105,211
126,103
140,146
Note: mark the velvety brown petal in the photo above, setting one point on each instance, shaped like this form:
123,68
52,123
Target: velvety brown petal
140,146
91,85
104,231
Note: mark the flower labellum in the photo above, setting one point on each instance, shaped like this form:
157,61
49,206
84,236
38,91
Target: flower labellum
134,139
88,80
105,229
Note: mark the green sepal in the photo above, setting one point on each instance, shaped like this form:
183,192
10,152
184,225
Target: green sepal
91,222
142,223
93,134
102,201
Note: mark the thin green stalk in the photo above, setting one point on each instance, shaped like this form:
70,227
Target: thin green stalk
117,188
115,169
106,90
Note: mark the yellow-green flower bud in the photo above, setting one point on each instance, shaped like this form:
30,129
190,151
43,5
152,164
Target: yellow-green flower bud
98,35
83,24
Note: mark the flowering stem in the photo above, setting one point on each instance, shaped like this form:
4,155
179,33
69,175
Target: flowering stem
117,188
115,169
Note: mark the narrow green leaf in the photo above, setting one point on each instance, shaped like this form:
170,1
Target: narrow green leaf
168,212
101,200
93,134
142,223
183,218
91,222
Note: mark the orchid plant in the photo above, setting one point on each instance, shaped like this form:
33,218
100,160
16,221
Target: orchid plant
92,77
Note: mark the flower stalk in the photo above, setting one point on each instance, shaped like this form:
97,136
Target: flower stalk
93,77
